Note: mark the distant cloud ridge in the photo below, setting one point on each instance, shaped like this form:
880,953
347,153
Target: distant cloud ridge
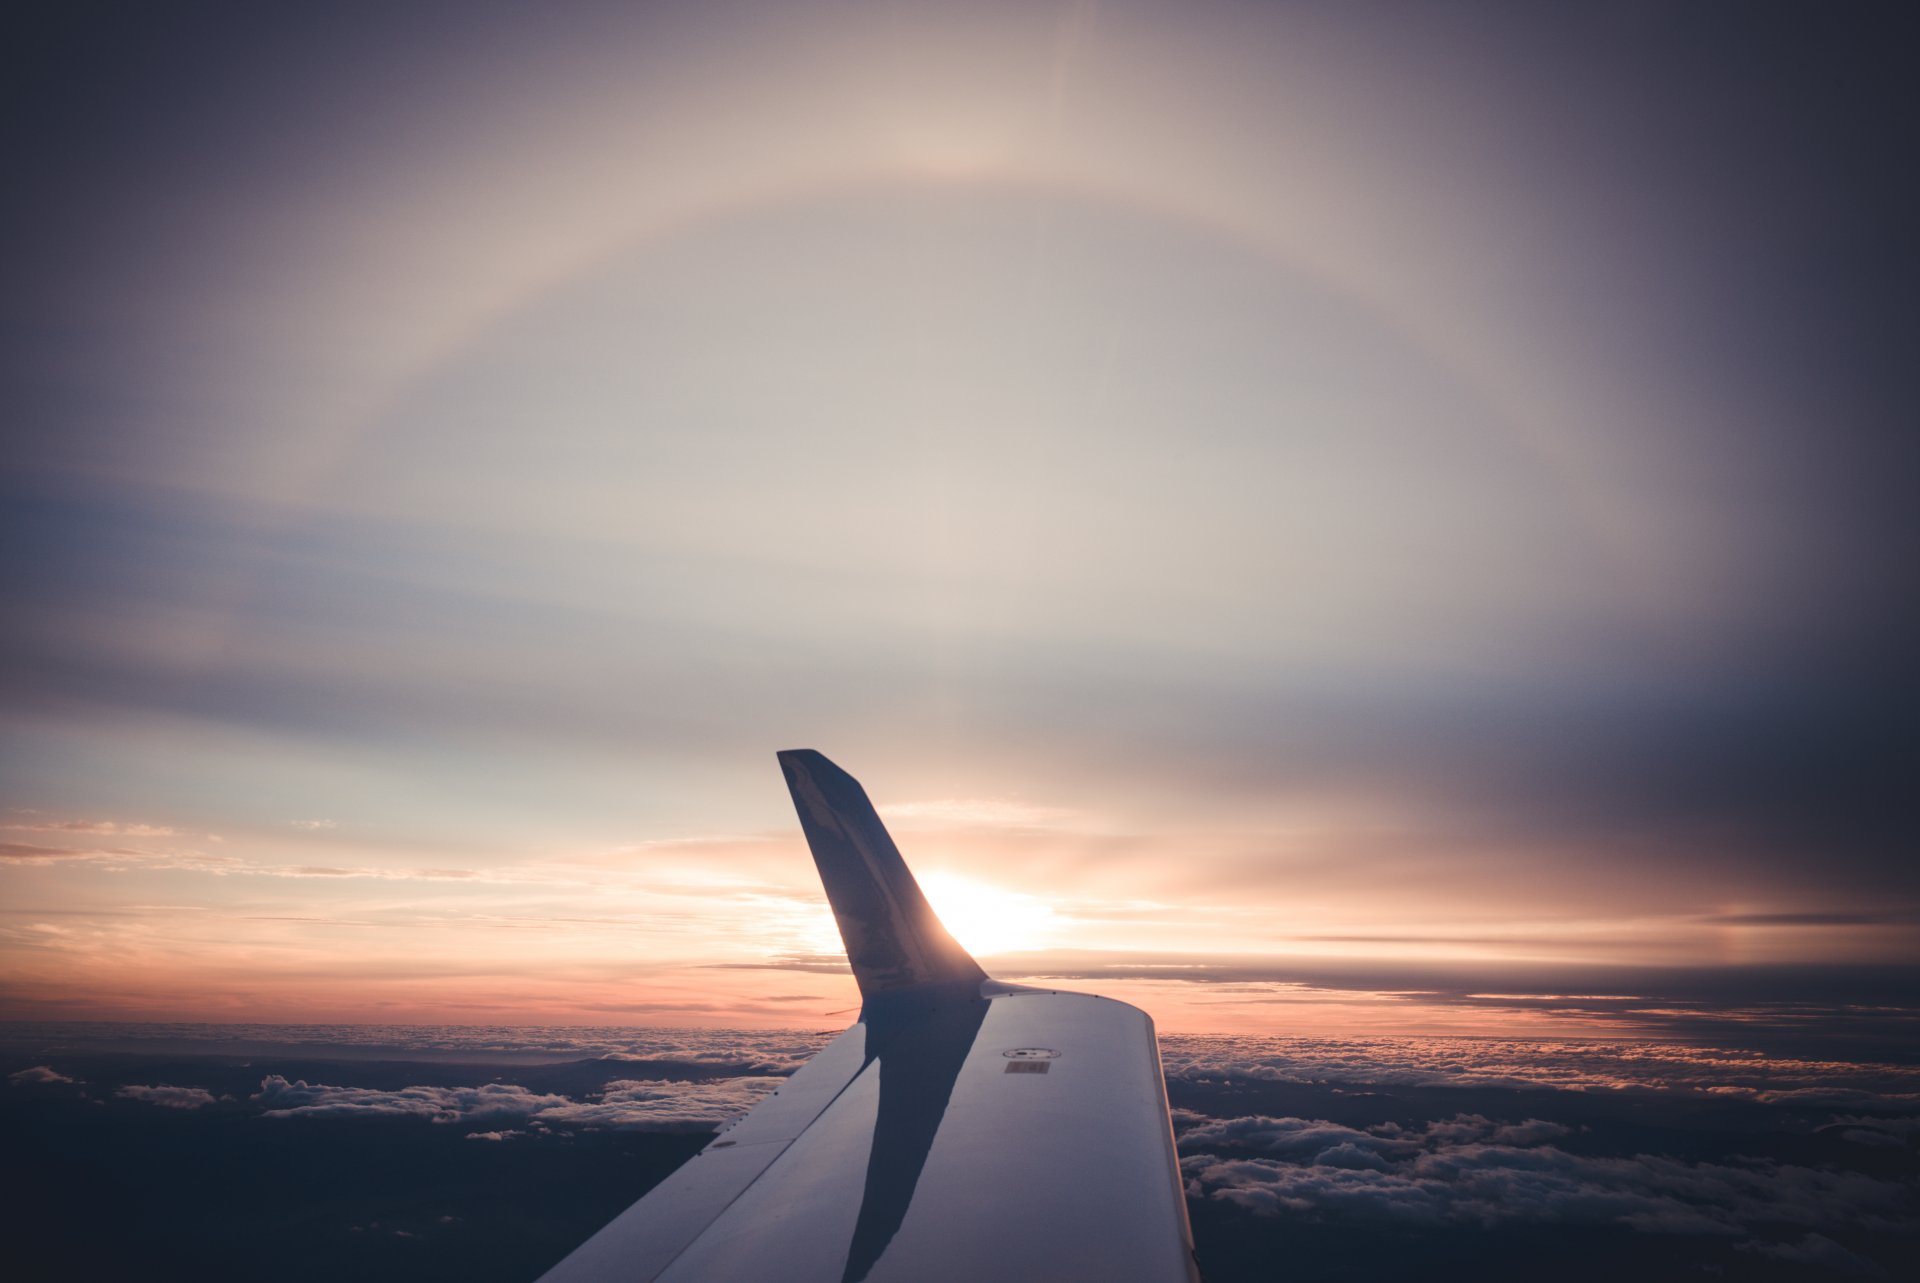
169,1097
628,1104
1473,1170
37,1074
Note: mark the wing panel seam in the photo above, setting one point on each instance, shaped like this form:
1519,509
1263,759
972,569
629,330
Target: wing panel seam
741,1192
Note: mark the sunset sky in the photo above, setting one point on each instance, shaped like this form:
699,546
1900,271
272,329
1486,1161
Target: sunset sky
1322,517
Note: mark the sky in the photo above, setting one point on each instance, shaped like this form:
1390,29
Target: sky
1306,517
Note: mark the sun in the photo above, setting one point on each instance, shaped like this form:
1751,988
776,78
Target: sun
985,919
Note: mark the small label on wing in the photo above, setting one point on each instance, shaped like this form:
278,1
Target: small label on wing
1029,1066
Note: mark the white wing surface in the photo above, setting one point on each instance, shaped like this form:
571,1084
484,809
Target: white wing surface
962,1129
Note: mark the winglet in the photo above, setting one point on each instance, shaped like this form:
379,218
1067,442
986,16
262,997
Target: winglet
893,939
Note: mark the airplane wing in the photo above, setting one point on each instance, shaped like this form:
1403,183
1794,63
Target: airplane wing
961,1129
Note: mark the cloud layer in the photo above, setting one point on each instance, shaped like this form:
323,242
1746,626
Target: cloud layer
1473,1170
623,1104
37,1074
1597,1066
169,1097
1312,1148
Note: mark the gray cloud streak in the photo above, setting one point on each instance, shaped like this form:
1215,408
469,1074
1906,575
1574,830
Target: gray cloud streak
169,1097
623,1104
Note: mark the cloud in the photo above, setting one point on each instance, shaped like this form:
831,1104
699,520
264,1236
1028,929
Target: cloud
1531,1132
123,859
335,871
814,963
1808,919
1292,1137
1312,1140
1564,1066
627,1104
1472,1170
510,1134
1479,1170
1883,1133
37,1074
169,1097
1859,1006
30,853
716,1052
1868,1136
983,812
314,824
97,826
283,1099
666,1106
1820,1251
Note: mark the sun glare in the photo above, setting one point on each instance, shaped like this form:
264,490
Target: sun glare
986,919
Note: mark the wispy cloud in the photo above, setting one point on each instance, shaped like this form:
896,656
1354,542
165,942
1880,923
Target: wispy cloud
985,812
28,853
1485,1171
1870,918
1585,1066
1877,1130
169,1097
37,1074
102,826
300,1099
1314,1140
626,1104
1818,1251
664,1105
1466,1175
186,860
